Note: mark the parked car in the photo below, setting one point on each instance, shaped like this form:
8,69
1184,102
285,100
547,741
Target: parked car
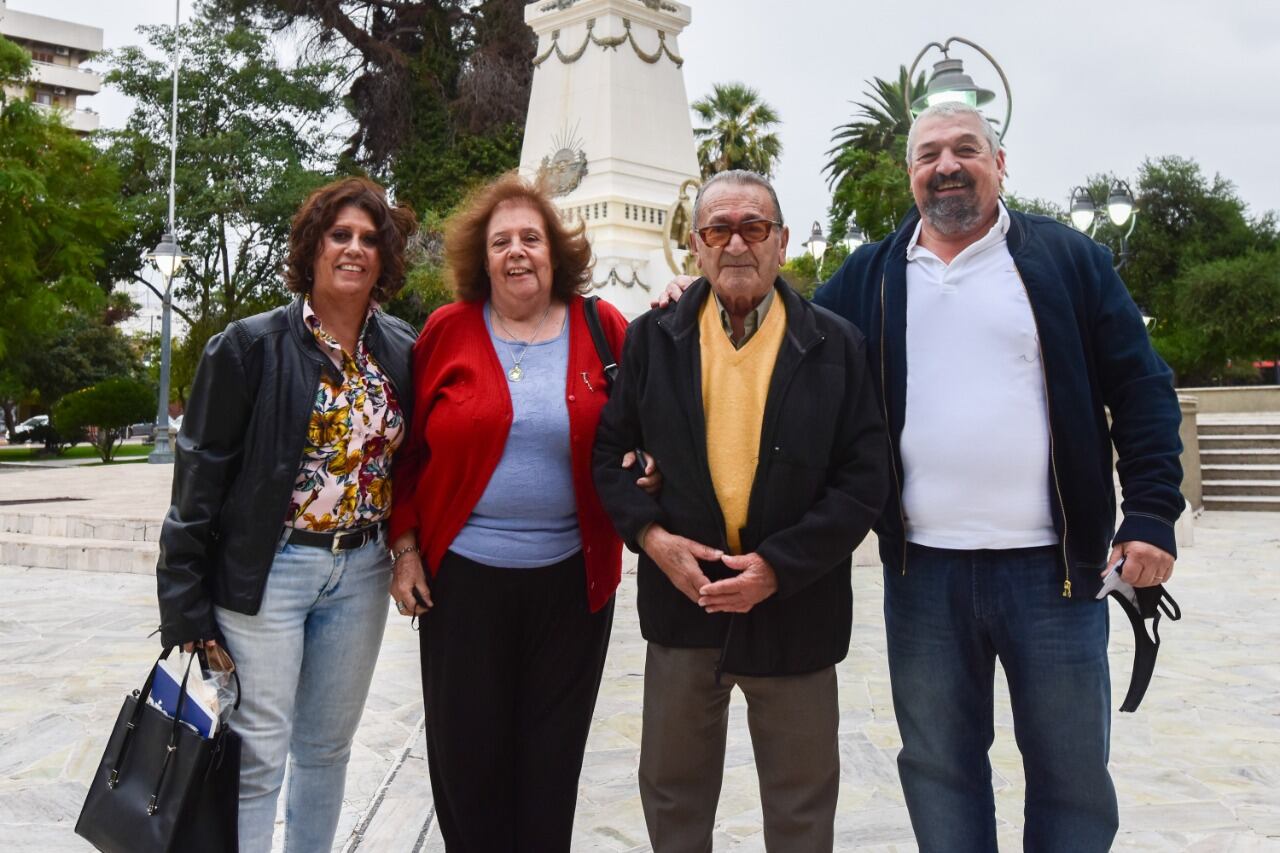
23,432
33,422
146,429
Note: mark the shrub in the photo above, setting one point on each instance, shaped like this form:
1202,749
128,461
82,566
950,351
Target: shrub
105,410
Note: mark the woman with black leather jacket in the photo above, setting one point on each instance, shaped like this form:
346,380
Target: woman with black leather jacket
275,544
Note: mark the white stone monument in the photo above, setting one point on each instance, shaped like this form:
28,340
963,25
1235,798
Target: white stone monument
609,126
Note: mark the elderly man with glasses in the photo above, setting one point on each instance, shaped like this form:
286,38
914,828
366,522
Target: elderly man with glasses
758,408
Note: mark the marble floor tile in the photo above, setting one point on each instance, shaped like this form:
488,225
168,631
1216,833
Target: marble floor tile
1197,768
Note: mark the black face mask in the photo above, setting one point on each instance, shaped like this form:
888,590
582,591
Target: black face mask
1141,604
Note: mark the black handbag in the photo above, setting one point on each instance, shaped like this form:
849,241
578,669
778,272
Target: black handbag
161,786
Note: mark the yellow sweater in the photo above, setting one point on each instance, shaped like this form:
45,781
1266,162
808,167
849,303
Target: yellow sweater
735,386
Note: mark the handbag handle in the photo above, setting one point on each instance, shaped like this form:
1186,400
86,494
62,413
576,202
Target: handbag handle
113,778
152,804
608,363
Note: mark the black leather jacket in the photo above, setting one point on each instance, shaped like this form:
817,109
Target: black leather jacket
237,458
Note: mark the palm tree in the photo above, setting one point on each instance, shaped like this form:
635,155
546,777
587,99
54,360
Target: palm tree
736,131
881,124
866,169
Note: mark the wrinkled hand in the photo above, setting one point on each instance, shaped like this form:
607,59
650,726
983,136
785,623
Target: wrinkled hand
651,482
1144,564
756,581
675,289
678,558
407,576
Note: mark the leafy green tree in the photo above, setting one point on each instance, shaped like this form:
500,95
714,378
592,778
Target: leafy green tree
1185,218
737,131
58,210
804,273
1229,312
1042,206
81,350
251,145
867,169
438,89
104,411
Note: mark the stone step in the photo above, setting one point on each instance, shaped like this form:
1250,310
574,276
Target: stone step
1242,504
1221,456
1268,441
1240,472
1259,428
1242,488
86,555
21,519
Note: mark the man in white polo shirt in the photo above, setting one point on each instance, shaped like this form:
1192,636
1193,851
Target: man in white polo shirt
995,340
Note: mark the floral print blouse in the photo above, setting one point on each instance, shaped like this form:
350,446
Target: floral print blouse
344,480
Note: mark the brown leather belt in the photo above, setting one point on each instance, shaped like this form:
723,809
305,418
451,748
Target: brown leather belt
335,540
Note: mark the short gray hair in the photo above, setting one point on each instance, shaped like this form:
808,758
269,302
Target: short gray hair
954,108
736,176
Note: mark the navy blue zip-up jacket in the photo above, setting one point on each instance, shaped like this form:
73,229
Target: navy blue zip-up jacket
1095,353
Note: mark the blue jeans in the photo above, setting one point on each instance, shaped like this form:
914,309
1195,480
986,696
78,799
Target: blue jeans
947,619
305,661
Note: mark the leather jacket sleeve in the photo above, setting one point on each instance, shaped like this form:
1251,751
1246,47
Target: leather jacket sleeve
207,454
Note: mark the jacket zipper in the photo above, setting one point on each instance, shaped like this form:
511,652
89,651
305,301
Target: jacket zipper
884,404
1053,460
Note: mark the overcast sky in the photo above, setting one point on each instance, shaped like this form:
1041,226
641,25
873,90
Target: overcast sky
1097,85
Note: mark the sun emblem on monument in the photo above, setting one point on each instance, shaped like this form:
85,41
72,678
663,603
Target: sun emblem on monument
564,170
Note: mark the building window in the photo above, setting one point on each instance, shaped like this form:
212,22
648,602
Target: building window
44,99
42,56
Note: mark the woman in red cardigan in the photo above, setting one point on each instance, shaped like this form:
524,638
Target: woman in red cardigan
494,499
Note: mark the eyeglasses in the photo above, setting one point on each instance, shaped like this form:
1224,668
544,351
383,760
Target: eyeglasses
752,231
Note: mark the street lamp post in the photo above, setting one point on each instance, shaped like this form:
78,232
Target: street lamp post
1120,208
167,258
950,83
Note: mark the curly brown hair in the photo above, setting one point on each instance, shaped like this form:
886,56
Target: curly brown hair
465,232
395,226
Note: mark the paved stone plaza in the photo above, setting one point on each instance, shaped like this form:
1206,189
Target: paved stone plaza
1198,767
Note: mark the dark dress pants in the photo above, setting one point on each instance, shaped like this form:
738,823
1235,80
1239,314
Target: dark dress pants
511,663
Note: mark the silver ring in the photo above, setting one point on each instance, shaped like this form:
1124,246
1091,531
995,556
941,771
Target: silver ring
400,606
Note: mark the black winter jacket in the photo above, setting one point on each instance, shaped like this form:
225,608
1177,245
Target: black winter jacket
821,481
237,457
1095,353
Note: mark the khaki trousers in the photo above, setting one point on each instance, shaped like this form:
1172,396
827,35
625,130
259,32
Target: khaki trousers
793,722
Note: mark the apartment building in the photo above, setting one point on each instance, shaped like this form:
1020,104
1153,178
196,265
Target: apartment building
57,49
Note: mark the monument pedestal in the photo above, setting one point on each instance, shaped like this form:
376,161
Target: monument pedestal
609,130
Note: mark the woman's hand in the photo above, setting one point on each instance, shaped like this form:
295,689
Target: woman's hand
409,587
651,480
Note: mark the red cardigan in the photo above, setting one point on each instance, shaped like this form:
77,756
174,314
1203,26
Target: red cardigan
461,418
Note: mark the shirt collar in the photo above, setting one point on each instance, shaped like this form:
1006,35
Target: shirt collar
312,319
751,323
996,235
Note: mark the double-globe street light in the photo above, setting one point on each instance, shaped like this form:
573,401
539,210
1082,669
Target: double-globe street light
167,258
1120,209
818,243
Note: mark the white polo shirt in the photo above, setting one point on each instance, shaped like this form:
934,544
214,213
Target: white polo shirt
975,445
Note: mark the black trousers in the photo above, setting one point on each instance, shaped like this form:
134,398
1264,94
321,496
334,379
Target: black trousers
511,665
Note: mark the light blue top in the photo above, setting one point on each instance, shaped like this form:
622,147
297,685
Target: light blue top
527,517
